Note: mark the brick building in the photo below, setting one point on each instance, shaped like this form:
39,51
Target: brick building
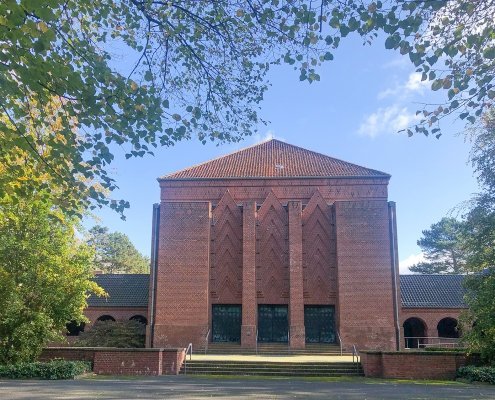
275,243
278,243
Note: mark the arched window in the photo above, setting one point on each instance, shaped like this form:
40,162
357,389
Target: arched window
106,318
414,333
139,318
447,328
74,329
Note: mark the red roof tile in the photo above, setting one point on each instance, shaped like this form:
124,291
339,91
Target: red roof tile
274,159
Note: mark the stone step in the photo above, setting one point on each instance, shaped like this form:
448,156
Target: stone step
269,368
276,373
227,367
310,364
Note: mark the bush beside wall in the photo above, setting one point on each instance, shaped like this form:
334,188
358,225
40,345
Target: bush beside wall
56,369
477,374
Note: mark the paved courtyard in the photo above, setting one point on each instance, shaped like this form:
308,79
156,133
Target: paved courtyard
181,387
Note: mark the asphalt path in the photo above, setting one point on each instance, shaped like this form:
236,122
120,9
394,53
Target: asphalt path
188,387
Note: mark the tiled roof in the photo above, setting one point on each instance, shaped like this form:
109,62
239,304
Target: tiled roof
274,159
432,291
124,290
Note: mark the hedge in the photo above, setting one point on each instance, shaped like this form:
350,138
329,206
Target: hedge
448,349
477,374
56,369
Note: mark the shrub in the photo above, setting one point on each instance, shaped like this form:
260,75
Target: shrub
477,374
56,369
448,349
126,334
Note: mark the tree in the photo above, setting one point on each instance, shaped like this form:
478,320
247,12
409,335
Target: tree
45,277
24,168
480,316
115,253
480,223
442,246
480,218
199,69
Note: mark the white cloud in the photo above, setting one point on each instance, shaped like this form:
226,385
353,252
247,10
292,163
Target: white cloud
409,262
257,138
397,63
387,120
413,85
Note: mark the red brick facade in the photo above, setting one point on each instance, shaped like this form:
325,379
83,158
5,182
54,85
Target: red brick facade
282,230
291,241
278,229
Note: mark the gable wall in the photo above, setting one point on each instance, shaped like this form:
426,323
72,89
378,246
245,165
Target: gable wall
217,246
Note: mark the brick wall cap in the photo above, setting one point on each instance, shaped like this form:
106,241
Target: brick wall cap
419,353
116,349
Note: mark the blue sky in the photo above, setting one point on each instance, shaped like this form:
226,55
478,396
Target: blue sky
365,95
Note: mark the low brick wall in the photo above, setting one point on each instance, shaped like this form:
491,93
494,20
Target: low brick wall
414,364
116,361
68,353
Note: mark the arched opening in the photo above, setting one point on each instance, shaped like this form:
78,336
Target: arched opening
139,318
106,318
74,329
414,333
447,328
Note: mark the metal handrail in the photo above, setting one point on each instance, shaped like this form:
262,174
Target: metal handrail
431,341
288,340
256,341
189,350
340,341
206,340
355,354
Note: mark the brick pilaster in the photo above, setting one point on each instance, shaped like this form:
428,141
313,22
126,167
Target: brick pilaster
296,301
248,328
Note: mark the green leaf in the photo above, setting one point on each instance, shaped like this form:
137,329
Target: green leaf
489,53
392,41
328,56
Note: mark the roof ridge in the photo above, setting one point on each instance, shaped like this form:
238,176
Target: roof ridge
255,161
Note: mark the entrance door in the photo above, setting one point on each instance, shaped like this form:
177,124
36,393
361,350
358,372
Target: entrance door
273,323
226,323
319,322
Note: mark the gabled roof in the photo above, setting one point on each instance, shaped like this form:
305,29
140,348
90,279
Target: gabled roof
124,290
432,291
417,291
274,159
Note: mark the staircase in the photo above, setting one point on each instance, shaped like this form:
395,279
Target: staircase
227,359
264,368
273,349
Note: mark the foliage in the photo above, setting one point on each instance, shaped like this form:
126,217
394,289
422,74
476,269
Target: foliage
198,69
477,374
24,166
480,224
115,253
126,334
56,369
44,277
480,315
452,44
459,350
442,246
